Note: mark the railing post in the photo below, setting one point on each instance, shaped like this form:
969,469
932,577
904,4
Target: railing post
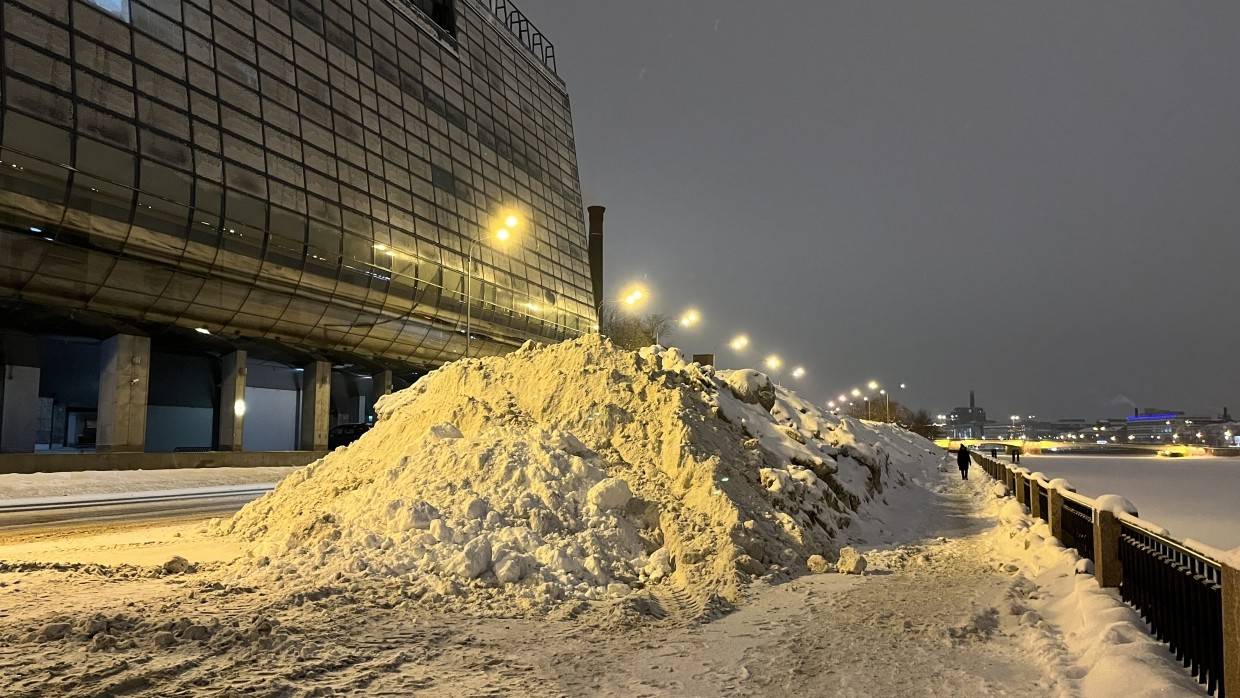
1035,502
1107,569
1054,517
1019,481
1231,625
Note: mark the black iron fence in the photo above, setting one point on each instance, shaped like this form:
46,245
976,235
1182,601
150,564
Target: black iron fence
1180,594
1078,527
1176,590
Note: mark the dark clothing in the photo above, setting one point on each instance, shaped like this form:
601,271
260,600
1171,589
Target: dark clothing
994,453
962,460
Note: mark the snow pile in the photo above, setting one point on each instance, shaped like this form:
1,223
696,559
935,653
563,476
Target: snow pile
577,471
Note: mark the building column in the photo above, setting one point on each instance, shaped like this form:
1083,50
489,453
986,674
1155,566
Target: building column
316,386
232,401
125,367
382,382
19,409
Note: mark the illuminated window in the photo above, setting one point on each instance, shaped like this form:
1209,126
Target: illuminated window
116,8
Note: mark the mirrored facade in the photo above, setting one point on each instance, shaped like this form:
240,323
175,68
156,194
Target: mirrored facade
311,173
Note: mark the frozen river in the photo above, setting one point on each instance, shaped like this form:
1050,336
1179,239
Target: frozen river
1195,497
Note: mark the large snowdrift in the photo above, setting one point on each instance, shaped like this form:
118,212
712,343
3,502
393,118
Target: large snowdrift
572,472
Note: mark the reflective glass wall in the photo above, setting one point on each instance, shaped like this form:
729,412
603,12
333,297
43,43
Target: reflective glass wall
313,172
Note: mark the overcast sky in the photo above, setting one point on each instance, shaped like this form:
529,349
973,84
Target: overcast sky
1037,200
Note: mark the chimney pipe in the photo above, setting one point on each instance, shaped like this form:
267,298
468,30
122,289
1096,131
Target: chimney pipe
596,253
1136,412
972,402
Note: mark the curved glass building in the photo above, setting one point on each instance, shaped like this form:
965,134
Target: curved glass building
305,180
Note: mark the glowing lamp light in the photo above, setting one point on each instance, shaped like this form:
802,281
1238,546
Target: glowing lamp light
512,221
872,385
239,408
739,343
503,234
690,318
773,362
798,372
202,330
856,392
842,398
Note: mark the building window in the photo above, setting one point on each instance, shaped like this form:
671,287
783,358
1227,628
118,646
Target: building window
116,8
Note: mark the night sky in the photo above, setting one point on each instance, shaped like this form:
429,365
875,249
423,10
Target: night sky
1037,200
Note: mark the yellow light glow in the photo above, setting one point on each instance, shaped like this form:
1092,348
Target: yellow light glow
239,408
690,318
842,398
503,234
633,295
873,385
512,221
798,372
739,343
773,362
856,392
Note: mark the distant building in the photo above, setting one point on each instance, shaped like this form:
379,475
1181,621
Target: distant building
967,422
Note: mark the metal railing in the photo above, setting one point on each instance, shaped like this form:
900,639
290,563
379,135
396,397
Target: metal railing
1179,593
1177,590
1078,527
520,26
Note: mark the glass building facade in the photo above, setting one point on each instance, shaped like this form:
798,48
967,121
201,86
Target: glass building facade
308,173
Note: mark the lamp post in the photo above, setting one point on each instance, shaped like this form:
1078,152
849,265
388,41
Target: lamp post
502,234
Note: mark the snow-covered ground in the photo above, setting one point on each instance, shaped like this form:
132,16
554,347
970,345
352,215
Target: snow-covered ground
1193,497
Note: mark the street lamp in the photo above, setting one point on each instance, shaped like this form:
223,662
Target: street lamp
798,372
502,235
739,343
773,362
690,318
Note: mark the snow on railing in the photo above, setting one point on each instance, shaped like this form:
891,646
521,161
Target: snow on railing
1181,588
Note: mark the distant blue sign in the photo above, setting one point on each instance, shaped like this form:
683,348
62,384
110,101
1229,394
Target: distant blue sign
1155,417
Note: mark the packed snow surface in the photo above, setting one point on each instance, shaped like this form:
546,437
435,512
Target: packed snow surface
573,472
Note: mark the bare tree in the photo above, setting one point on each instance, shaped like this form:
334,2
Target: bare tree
632,332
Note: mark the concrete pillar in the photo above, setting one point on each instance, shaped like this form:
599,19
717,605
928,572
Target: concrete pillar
232,401
382,382
316,387
125,366
1231,625
1107,569
1054,517
19,409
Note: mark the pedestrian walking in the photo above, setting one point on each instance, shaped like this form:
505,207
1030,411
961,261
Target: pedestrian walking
962,460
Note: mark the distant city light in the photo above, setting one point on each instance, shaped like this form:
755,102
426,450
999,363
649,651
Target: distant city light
831,404
872,385
856,392
903,386
798,372
739,343
842,398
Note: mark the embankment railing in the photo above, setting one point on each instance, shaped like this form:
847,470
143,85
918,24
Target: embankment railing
1188,593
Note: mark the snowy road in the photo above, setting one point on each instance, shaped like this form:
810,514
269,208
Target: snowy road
127,506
